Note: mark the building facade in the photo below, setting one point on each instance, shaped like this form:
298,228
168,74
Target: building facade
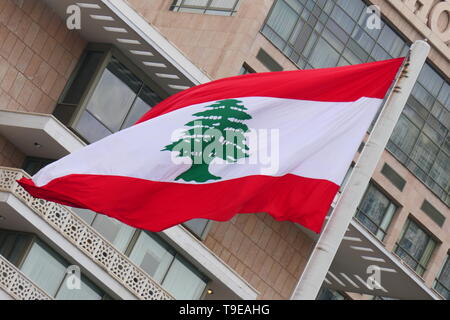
73,72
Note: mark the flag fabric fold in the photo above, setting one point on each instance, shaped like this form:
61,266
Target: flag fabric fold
277,142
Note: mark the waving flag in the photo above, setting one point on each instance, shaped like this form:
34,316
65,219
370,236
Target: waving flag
276,142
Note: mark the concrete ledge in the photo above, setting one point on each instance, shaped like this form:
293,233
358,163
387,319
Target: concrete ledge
38,135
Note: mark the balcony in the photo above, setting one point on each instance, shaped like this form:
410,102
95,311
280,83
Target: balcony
121,273
43,136
16,285
115,22
359,255
38,135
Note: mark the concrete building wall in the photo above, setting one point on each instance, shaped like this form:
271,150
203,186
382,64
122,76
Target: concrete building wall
220,45
10,156
37,56
410,200
270,255
217,44
408,23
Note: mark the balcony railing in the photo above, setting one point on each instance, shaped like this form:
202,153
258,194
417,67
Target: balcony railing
17,285
86,239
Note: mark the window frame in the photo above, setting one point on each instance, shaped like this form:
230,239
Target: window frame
129,247
391,200
411,163
33,238
246,68
40,162
27,248
176,256
174,7
437,280
204,232
301,57
335,293
44,245
419,269
288,44
107,52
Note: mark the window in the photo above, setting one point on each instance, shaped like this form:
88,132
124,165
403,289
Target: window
346,177
245,69
118,100
415,246
329,294
32,165
98,102
106,94
375,211
323,55
198,227
167,267
383,298
421,139
442,282
13,245
116,232
328,33
88,291
216,7
154,255
44,266
183,281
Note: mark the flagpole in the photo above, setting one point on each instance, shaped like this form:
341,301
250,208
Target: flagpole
328,243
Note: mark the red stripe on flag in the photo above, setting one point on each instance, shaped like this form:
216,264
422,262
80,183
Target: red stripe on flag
341,84
156,206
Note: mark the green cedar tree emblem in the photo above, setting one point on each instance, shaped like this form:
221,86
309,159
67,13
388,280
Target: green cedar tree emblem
218,132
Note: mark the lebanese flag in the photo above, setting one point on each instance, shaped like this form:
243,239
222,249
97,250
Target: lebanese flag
277,142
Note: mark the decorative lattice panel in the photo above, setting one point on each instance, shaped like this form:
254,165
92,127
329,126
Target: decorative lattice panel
17,284
87,239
